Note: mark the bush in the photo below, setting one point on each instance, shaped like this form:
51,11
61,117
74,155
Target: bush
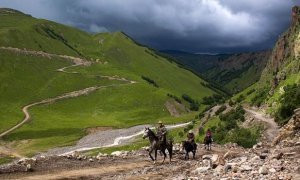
231,103
150,81
180,134
194,105
242,137
250,91
175,98
188,127
201,115
260,97
240,98
221,109
290,101
213,100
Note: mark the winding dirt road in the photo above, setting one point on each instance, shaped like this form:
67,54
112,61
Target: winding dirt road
77,62
272,128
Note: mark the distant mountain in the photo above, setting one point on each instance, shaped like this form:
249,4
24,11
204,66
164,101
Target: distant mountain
233,72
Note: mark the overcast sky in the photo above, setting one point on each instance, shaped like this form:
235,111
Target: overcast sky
189,25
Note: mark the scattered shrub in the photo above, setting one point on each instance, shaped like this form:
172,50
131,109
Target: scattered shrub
213,100
150,81
289,101
250,91
260,97
194,105
221,109
231,103
180,134
175,98
188,127
240,98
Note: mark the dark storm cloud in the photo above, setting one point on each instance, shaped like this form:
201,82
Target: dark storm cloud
192,25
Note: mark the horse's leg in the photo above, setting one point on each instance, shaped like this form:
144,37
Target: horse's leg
194,153
150,152
165,155
155,153
170,149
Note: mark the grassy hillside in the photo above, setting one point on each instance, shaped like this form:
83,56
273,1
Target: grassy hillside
232,72
30,78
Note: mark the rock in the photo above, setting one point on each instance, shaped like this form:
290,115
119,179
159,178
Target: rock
255,158
277,156
263,156
263,170
235,169
272,170
119,153
91,160
259,144
200,170
101,155
230,155
229,166
289,154
206,156
214,158
75,154
219,169
28,168
245,168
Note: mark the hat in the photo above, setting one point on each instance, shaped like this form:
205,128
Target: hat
159,122
190,131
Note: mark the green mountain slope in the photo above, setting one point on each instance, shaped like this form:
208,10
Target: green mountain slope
116,66
232,72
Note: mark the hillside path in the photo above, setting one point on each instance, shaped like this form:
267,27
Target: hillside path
272,127
77,62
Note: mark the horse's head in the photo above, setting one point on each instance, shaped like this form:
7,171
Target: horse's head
146,132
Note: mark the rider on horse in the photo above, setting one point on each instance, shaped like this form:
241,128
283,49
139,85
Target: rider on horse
191,137
209,134
161,131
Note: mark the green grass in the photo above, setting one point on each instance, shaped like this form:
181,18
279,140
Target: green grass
27,79
6,159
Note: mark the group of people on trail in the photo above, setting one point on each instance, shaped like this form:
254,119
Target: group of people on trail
161,131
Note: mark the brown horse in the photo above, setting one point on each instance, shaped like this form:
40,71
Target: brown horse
155,145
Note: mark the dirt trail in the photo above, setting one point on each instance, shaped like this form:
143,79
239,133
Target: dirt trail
272,129
115,168
77,62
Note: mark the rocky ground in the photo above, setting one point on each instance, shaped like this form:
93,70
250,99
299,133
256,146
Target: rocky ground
227,161
277,160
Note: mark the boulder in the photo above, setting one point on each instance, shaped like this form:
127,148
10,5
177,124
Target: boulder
230,155
119,153
245,168
272,170
263,170
200,170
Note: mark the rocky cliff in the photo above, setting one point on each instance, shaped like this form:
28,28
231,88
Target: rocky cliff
284,60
